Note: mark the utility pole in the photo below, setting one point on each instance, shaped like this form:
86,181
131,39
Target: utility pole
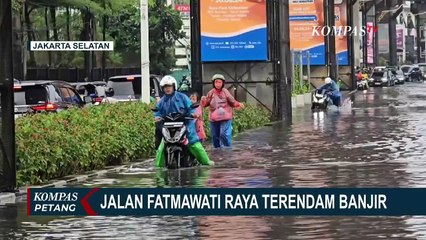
145,91
284,85
351,51
330,39
393,56
7,140
365,37
196,78
103,74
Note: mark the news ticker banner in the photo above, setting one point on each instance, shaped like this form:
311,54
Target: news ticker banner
71,46
226,201
233,30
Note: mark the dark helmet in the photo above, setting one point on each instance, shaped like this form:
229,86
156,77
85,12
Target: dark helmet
218,77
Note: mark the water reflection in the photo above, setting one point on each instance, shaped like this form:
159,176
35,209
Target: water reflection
378,141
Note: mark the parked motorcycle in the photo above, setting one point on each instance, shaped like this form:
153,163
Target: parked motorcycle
320,100
174,133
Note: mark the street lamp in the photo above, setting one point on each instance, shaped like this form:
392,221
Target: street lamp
145,76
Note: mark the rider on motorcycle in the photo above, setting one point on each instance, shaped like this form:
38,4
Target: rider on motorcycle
176,102
332,89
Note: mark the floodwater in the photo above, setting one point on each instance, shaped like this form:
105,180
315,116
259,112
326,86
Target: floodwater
379,141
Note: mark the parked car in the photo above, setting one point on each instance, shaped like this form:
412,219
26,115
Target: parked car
98,91
405,69
129,87
382,78
399,76
422,67
45,96
379,68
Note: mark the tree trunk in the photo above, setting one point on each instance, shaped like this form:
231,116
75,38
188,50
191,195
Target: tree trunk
17,48
68,24
86,36
69,54
46,20
29,32
58,58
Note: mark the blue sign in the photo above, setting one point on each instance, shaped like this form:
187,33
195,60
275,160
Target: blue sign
233,31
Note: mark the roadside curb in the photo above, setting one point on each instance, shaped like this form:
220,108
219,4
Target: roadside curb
7,198
10,197
66,180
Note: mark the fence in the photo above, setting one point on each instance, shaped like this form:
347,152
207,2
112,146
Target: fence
76,74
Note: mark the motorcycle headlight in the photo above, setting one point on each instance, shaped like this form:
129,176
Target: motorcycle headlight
179,134
166,134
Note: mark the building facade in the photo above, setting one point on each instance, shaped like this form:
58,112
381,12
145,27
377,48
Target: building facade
183,45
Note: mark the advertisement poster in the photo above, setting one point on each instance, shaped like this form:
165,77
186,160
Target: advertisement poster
341,40
184,7
304,16
370,45
233,31
400,40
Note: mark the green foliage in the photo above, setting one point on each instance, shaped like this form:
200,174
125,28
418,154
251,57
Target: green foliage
123,27
300,86
74,141
248,118
165,27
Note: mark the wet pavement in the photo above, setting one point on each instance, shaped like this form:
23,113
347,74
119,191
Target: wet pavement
379,141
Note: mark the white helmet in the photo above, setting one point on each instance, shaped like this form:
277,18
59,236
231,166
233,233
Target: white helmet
327,80
168,80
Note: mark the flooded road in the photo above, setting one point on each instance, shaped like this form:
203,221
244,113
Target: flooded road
379,141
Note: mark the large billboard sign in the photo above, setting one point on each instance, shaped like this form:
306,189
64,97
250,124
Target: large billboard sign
340,11
370,45
233,30
400,37
304,16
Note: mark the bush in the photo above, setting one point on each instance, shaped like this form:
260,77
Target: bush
70,142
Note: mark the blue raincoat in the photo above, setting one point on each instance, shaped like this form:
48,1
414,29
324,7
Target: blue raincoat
178,103
332,87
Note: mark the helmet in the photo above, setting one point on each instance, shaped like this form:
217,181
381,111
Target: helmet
220,77
327,80
168,80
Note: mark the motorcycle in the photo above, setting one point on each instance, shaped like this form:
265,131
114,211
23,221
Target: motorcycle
415,76
320,100
174,133
362,84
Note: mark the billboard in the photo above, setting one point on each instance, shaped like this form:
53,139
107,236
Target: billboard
400,37
370,44
340,11
184,7
233,31
304,16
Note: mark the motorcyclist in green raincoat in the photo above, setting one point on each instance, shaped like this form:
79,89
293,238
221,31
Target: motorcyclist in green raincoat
173,102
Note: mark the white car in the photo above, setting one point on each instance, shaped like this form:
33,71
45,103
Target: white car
128,88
